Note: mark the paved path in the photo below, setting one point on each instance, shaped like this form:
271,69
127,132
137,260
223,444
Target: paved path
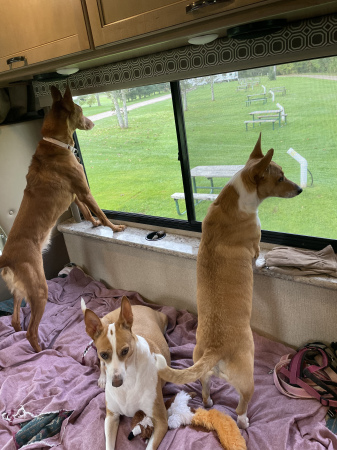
129,108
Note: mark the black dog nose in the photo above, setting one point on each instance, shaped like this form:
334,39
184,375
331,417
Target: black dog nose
299,190
117,381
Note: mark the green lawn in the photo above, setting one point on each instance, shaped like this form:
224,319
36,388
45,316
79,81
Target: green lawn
137,170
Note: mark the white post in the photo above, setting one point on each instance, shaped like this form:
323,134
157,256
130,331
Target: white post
272,96
304,166
282,109
264,88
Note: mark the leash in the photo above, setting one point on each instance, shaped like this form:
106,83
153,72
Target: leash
60,144
88,347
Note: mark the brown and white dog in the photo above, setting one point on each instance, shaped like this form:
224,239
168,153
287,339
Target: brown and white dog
230,240
55,179
127,340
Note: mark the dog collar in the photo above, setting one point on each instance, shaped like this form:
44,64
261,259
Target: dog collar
60,144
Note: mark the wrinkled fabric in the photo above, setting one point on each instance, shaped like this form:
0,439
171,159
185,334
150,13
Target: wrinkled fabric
298,262
53,380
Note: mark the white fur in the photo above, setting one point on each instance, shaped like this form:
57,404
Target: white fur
243,421
115,368
161,363
179,413
83,305
248,201
138,391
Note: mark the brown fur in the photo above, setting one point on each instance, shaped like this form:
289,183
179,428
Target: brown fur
55,179
230,240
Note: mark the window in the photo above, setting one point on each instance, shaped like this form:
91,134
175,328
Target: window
213,123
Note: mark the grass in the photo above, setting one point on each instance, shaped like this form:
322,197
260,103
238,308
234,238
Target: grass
137,170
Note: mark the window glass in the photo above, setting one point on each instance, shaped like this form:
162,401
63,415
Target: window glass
294,107
131,155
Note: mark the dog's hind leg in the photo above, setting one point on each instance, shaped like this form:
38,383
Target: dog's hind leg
204,380
239,374
159,419
16,313
37,296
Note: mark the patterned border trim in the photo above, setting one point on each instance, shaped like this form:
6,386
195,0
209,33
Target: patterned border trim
306,37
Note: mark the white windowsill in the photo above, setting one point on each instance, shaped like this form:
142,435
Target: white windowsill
183,245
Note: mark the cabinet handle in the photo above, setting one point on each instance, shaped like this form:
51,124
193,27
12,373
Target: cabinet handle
15,59
198,4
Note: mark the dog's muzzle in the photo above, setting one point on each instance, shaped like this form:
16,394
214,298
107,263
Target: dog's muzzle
117,381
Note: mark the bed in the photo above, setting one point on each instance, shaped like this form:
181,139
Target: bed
61,382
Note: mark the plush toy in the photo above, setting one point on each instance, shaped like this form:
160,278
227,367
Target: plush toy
225,427
178,412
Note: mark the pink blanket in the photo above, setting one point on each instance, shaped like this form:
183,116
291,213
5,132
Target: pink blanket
56,379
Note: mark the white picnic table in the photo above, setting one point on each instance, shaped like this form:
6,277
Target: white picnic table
208,172
211,172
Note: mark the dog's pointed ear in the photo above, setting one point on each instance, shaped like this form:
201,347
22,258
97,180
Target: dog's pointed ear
257,152
68,99
56,94
126,316
93,324
260,167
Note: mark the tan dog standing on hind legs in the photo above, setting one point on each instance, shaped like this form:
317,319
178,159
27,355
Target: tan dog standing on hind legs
55,179
230,241
126,340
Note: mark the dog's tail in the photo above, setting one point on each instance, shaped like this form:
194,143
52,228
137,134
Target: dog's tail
177,376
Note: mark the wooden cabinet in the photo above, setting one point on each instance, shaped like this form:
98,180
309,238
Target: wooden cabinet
39,30
113,21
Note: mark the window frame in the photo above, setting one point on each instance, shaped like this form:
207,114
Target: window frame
191,224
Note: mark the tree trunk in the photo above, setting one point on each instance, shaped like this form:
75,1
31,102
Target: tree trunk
117,109
98,100
212,89
125,109
183,92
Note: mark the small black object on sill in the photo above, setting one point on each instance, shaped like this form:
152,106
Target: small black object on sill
155,235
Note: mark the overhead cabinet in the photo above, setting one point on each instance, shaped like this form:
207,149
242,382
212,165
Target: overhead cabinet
38,30
113,21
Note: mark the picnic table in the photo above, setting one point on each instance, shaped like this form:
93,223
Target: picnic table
208,172
267,116
256,97
279,89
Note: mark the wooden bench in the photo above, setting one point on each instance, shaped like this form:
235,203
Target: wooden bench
260,121
199,197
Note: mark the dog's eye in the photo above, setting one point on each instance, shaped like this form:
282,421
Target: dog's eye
104,355
125,351
281,179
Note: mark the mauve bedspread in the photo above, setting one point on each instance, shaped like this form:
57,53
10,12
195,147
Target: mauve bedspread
56,379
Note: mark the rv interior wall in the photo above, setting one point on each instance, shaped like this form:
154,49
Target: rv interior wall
282,310
17,146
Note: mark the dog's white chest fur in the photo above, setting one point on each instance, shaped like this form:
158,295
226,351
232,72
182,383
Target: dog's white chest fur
138,391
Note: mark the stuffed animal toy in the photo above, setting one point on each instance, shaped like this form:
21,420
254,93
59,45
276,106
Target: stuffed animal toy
178,412
225,427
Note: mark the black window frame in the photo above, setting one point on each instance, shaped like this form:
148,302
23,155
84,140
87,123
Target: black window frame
191,224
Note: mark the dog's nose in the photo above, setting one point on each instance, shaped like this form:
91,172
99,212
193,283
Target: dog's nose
299,190
117,381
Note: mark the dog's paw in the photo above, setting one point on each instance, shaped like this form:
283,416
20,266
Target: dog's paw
243,422
161,363
102,381
120,227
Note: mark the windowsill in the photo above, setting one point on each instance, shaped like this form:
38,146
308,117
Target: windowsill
174,244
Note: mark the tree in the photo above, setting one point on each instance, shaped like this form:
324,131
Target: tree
115,96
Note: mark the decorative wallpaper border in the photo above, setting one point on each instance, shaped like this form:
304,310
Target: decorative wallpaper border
220,56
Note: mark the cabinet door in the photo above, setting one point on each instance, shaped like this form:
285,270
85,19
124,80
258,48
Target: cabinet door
39,30
113,21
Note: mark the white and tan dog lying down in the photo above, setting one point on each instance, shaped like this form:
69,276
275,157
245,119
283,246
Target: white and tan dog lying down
230,241
126,340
